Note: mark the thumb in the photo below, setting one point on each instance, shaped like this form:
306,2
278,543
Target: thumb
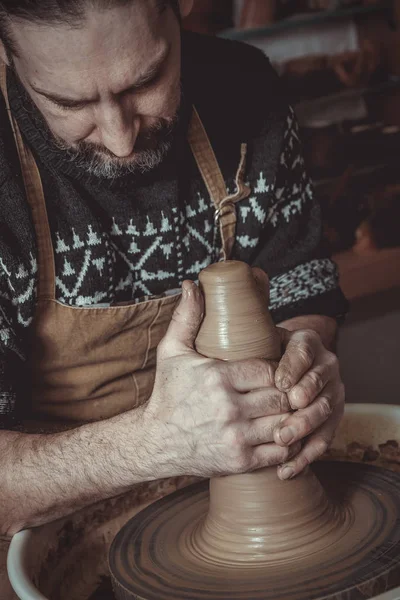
185,322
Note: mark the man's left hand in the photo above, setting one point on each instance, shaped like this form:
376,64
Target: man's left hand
309,374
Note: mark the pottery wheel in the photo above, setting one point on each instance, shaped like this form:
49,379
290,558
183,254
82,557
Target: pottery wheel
156,556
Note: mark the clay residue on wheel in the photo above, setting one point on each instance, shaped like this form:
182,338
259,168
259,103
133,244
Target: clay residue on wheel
386,455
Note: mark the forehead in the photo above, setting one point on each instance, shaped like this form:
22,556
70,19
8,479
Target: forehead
105,44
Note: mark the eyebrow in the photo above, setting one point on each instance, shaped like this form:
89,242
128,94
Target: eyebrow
150,74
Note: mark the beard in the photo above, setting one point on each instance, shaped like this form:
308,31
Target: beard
151,147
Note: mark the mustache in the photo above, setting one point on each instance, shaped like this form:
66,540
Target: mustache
151,147
161,131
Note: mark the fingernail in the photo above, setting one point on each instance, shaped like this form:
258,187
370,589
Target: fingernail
286,434
298,398
287,473
189,288
285,383
184,291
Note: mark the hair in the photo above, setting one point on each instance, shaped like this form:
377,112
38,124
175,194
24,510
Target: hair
58,12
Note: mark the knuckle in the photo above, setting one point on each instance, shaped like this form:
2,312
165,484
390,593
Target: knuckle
213,377
278,457
269,370
305,354
304,425
300,398
321,446
266,433
310,337
275,402
303,462
325,406
233,440
283,404
331,359
244,465
316,380
241,463
257,363
264,369
227,410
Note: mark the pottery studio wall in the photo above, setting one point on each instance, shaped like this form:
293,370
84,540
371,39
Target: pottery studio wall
340,62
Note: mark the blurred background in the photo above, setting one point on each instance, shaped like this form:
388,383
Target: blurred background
340,63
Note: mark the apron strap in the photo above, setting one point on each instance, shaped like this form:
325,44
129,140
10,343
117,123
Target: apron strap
225,204
36,200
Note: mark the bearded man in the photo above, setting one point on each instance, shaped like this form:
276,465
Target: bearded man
125,144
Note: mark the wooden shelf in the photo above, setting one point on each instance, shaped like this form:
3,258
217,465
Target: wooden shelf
390,85
314,19
366,274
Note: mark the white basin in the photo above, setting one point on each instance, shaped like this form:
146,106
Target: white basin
369,424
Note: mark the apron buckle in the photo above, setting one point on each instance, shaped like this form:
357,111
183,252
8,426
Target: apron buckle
220,211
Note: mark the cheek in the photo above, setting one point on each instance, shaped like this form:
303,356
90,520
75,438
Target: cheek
163,100
158,104
70,127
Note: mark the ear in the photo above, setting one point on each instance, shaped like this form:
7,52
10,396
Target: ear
3,54
185,7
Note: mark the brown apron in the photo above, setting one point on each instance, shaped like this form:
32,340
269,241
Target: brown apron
94,363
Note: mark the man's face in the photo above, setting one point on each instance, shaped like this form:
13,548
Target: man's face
109,90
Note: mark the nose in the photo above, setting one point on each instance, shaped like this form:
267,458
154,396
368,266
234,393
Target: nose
119,130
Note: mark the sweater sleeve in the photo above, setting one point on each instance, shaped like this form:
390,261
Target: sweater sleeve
8,393
17,279
304,280
12,359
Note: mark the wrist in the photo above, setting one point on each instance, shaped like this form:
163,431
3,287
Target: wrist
135,452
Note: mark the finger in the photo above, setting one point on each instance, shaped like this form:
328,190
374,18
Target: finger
305,421
249,375
316,446
185,322
269,455
261,431
310,385
265,402
301,347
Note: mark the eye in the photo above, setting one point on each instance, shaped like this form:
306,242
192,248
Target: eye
144,85
152,81
69,105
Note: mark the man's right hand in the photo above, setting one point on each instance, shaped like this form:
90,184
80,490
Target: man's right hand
209,417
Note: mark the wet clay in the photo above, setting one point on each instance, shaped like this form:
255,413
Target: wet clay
156,556
254,536
237,324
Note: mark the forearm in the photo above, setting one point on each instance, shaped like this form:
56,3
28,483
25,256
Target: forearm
46,477
326,327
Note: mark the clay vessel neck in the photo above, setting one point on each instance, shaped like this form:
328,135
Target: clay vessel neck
237,323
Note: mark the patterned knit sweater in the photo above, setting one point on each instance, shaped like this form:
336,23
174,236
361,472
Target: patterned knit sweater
143,235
